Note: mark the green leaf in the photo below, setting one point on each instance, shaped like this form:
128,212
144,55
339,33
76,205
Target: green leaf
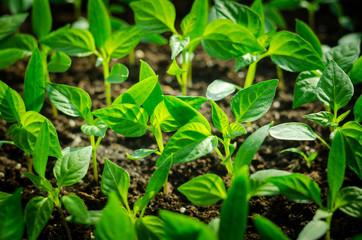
292,53
324,118
259,186
314,230
27,132
122,41
357,110
40,183
114,222
292,131
4,196
73,166
11,217
79,212
303,30
162,117
115,179
37,214
98,128
245,60
41,19
355,74
140,153
194,23
224,39
71,101
251,103
34,83
250,146
305,88
193,101
73,42
349,201
9,56
59,62
204,190
99,23
12,106
145,71
150,227
181,227
41,151
297,187
22,41
219,118
234,130
126,119
240,14
154,16
119,73
10,23
334,89
178,44
267,229
234,211
219,89
190,142
174,69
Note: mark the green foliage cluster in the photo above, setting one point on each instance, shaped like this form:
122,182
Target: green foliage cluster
226,30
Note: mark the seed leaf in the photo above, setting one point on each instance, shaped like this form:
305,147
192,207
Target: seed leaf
10,56
59,62
292,131
25,42
315,229
119,73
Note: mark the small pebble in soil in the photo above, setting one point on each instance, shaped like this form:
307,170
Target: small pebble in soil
241,74
139,53
2,174
182,210
81,182
18,166
276,104
71,123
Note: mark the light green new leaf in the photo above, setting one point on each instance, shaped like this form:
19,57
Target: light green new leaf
145,71
71,101
219,89
334,88
162,117
41,19
314,230
267,229
219,118
10,23
260,187
98,128
234,130
73,166
126,119
115,179
204,190
21,41
59,62
190,142
9,56
150,227
193,101
37,214
99,23
41,151
251,103
140,153
297,187
355,74
178,44
26,133
194,23
40,183
73,42
225,39
34,83
245,60
292,131
12,106
305,88
349,201
174,69
303,30
154,16
324,118
11,217
119,73
357,110
292,53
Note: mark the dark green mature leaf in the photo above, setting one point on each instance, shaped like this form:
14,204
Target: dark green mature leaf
11,55
307,33
40,183
22,41
99,23
41,151
150,227
190,142
357,110
123,41
37,213
98,128
219,117
251,103
154,16
250,146
79,212
305,88
259,186
59,62
114,222
178,44
292,131
73,166
355,74
10,23
240,14
349,201
204,190
126,119
267,229
115,179
314,230
71,101
73,42
219,89
180,227
4,196
334,88
34,83
324,118
41,18
12,106
292,53
194,23
11,217
234,211
225,39
26,134
297,187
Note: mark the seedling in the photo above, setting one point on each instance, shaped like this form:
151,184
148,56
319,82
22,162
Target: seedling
308,159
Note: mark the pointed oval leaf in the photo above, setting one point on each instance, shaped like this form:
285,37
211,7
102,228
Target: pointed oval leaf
324,118
219,118
10,23
260,187
314,230
41,151
41,18
178,44
194,23
305,88
59,62
355,74
174,69
267,229
99,23
349,201
12,106
293,131
21,41
150,227
219,89
357,110
9,56
98,128
303,30
140,153
119,73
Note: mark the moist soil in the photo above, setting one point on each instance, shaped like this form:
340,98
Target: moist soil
291,217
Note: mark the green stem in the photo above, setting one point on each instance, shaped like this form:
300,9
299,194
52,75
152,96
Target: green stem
281,78
328,234
158,136
322,140
107,85
29,163
184,75
94,157
250,75
131,58
77,8
64,223
311,18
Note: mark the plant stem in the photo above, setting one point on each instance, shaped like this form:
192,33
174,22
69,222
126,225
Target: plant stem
131,58
107,85
322,140
281,78
94,157
29,163
250,75
77,8
158,135
64,223
328,233
184,75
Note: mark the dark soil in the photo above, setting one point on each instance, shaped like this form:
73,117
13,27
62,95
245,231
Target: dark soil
291,217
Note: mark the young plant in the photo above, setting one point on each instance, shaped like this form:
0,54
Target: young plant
308,159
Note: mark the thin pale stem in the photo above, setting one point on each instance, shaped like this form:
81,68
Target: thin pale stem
131,58
94,157
250,75
324,142
107,85
29,163
281,78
